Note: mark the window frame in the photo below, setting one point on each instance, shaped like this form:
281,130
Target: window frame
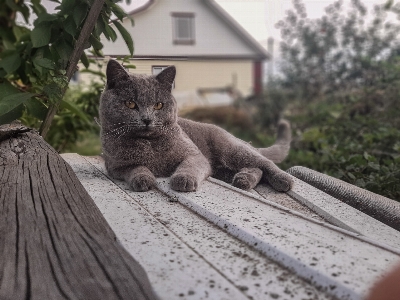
192,31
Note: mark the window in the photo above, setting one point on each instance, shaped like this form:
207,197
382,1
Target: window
157,70
183,28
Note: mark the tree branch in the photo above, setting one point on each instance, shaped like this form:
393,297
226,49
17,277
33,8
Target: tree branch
75,56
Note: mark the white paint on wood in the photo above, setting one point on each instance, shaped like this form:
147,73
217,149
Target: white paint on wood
343,215
175,270
250,271
329,257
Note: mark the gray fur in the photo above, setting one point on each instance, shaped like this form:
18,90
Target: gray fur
142,143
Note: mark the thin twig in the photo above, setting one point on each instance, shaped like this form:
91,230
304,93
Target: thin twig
73,62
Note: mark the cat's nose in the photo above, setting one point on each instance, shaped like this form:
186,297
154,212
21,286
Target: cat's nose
146,121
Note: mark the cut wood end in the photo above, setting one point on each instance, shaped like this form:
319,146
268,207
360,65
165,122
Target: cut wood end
9,130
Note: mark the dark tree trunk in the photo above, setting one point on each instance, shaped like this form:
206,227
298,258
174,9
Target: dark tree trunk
54,241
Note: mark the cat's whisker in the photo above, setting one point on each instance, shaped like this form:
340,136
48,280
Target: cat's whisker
115,129
117,132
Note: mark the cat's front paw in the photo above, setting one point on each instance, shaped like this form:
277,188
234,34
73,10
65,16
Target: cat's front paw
142,182
184,182
281,182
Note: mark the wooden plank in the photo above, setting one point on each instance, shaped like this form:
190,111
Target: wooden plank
54,242
174,269
337,261
247,269
343,215
267,192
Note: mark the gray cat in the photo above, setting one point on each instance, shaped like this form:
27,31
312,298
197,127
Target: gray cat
143,138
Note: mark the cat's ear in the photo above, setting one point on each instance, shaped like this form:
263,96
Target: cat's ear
167,76
115,73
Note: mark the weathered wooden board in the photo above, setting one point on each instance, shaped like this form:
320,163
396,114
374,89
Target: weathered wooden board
336,261
343,215
54,242
185,256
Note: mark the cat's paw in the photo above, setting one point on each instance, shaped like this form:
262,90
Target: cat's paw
281,182
242,181
247,179
142,182
184,183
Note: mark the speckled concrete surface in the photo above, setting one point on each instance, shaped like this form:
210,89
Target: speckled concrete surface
189,257
328,258
285,200
249,271
343,215
173,267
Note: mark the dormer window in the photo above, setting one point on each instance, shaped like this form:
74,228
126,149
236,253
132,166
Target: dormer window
183,28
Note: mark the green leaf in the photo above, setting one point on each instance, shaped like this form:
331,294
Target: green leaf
53,92
99,28
64,50
111,33
374,166
41,36
85,60
37,7
7,89
10,63
36,108
18,6
80,13
66,6
44,17
70,26
367,156
97,45
45,63
130,18
351,175
125,35
21,33
12,115
117,10
10,102
72,107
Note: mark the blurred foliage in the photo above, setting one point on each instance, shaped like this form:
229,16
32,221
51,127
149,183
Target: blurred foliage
340,88
75,119
237,119
33,60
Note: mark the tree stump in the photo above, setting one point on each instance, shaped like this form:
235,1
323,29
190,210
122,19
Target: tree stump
54,241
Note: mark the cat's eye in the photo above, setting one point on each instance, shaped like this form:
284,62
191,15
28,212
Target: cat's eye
158,106
130,104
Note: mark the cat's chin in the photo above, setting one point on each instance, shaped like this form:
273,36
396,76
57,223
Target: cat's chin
147,133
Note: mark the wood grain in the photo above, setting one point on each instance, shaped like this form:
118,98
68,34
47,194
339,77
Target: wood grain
54,242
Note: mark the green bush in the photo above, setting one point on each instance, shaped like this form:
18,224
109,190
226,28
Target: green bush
340,88
75,119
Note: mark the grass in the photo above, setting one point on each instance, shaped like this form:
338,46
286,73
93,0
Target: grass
88,146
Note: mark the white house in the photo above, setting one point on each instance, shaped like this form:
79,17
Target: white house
210,50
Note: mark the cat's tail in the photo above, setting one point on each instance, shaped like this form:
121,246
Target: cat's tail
278,151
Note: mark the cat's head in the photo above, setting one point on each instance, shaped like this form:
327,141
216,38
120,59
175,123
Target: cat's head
139,105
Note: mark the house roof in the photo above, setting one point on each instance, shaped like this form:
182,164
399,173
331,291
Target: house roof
226,18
